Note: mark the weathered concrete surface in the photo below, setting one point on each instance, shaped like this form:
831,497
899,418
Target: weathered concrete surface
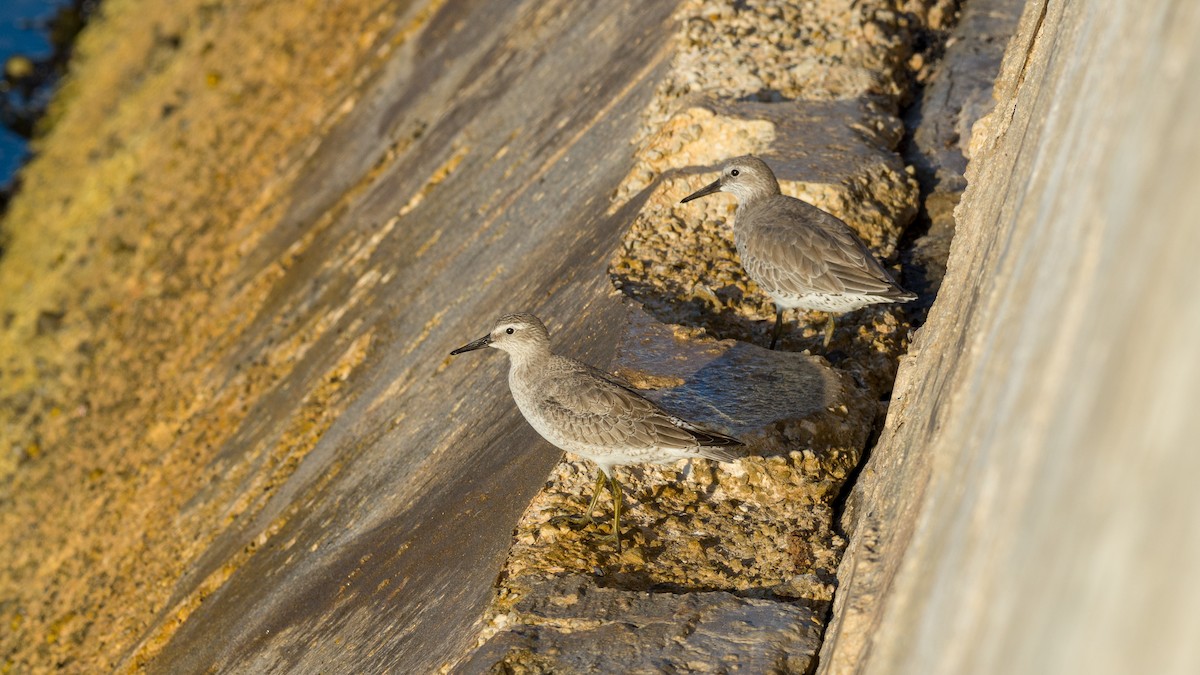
1030,507
232,438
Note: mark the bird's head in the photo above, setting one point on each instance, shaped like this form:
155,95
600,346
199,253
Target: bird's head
746,178
518,334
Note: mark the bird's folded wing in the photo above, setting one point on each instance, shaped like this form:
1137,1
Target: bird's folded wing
595,409
823,257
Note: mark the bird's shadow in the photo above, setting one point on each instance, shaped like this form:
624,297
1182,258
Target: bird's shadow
735,387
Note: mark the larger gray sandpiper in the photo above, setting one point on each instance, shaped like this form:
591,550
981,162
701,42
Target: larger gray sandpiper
803,257
586,412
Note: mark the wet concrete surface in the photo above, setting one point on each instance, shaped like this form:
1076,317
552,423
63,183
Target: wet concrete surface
402,545
333,490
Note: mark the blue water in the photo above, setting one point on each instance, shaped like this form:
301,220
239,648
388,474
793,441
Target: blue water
24,30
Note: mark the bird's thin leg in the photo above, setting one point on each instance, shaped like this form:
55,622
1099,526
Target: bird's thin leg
778,326
615,486
616,493
828,329
596,489
587,515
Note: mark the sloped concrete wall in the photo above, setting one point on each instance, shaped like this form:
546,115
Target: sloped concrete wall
1030,507
230,436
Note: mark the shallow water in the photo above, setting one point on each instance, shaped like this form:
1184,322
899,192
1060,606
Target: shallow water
24,31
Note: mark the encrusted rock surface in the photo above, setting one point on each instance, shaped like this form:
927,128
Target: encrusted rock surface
757,528
574,624
813,88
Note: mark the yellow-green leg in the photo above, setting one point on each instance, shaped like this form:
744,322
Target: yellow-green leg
587,515
615,486
778,326
828,329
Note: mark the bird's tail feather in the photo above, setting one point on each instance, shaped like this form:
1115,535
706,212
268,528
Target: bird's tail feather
717,446
721,454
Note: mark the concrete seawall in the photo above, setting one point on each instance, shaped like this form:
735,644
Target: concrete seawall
231,438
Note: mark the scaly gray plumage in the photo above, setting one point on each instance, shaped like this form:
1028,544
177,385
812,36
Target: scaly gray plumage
589,413
803,257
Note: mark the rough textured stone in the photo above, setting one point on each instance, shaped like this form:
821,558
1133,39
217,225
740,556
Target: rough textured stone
824,116
759,527
774,50
582,626
1030,507
958,92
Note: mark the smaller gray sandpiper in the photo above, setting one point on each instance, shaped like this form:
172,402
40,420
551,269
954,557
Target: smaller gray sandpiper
803,257
586,412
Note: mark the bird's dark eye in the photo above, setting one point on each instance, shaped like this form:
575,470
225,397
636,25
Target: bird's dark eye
509,330
734,172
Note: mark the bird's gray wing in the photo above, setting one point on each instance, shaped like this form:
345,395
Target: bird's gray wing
703,436
594,408
799,249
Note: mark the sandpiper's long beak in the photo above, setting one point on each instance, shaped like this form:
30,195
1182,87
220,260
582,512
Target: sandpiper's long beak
712,187
472,346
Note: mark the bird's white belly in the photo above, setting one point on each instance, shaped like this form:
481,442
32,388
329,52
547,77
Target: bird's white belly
827,302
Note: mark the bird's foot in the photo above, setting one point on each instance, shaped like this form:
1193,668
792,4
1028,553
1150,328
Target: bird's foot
614,537
573,520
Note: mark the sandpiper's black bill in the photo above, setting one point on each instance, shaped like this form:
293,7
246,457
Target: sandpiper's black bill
472,346
706,190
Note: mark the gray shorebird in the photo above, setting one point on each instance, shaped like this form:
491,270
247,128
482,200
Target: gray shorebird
588,413
803,257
